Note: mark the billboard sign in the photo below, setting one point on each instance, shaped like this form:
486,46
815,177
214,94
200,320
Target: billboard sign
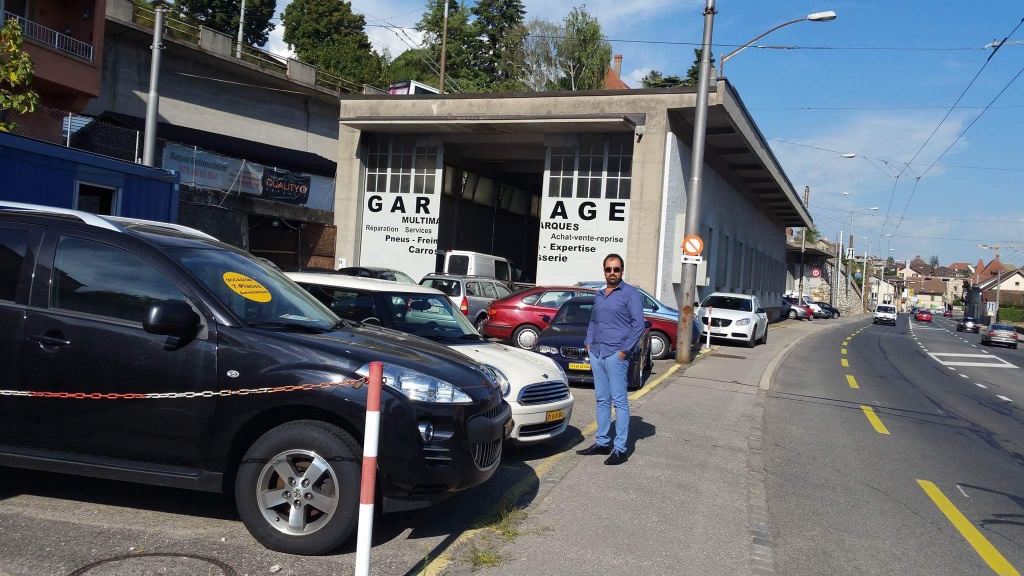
575,236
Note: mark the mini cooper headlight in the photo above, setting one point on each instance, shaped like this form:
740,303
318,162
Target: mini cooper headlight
419,386
497,376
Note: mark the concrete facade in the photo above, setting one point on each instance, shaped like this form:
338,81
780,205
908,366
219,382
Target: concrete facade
747,197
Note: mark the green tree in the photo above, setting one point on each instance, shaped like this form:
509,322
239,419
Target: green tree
582,53
223,15
462,71
694,71
411,65
16,73
499,25
540,54
933,261
328,35
654,79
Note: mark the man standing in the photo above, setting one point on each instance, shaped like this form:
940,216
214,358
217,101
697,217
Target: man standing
616,325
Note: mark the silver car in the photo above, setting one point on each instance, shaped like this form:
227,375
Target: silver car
470,294
1000,334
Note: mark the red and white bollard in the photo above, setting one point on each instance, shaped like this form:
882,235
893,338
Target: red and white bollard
369,479
709,327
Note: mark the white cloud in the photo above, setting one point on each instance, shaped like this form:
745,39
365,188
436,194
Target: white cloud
276,44
633,78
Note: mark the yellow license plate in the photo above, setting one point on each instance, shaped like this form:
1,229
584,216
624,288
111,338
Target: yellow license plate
578,366
555,415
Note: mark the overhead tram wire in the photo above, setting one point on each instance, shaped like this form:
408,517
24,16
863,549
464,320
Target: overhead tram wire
995,50
400,31
996,168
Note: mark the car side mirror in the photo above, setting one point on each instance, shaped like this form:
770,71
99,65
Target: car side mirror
655,308
760,310
171,318
546,319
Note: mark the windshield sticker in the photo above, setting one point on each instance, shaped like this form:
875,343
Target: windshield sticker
299,318
246,287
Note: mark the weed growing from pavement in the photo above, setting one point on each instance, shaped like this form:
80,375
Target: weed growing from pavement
508,523
483,558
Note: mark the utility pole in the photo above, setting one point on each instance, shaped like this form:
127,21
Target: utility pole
803,243
241,25
444,47
688,286
153,101
864,275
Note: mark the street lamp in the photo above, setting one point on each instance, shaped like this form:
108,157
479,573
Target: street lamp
826,16
807,203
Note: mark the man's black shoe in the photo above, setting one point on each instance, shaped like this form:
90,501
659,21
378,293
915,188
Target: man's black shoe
615,459
595,449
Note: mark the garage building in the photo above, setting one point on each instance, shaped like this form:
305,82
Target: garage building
554,181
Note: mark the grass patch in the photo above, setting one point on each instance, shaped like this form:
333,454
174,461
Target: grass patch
508,523
483,558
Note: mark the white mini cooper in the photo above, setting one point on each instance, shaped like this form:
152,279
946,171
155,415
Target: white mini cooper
533,385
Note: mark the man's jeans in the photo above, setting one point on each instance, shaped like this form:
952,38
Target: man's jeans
610,389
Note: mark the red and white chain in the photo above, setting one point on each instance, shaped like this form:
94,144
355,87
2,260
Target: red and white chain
354,382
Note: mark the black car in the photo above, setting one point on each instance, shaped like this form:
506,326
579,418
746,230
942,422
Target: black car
832,311
563,340
374,272
152,353
968,324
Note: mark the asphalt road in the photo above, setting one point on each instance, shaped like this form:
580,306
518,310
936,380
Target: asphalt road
59,524
916,470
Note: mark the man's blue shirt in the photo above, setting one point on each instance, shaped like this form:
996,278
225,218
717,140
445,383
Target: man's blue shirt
617,321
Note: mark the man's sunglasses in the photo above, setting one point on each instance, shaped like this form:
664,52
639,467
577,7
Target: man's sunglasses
610,269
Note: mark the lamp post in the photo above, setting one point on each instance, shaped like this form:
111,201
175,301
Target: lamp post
807,204
865,273
153,100
816,17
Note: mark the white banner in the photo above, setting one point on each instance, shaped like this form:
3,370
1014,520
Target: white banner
196,167
400,232
575,236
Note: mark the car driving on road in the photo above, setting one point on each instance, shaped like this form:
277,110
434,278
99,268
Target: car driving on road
535,386
152,353
1000,334
968,324
885,314
923,315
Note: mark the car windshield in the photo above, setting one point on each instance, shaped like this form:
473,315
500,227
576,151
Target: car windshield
428,315
886,309
728,303
967,319
399,276
255,292
1006,327
574,313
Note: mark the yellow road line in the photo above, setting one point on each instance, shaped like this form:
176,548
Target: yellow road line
850,338
844,350
851,381
847,342
873,418
846,363
981,545
440,563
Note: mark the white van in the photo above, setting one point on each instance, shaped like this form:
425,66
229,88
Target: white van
468,263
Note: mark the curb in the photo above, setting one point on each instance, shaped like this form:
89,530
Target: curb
762,546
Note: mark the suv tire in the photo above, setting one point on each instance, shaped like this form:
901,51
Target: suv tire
291,449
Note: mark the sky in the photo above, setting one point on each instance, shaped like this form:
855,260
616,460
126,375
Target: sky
877,82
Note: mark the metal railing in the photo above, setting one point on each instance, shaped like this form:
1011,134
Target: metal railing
173,28
262,58
62,42
336,83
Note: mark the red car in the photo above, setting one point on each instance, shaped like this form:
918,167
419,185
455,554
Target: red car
924,316
519,318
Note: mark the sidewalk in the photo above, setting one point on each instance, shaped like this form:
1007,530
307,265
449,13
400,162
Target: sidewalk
690,499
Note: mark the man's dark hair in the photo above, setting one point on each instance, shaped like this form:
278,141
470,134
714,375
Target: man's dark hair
616,256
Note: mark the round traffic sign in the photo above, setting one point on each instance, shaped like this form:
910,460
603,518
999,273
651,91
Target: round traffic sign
693,245
815,272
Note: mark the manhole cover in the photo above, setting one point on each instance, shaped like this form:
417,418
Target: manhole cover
156,563
729,356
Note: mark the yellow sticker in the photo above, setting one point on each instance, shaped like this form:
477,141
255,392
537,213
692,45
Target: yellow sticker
246,287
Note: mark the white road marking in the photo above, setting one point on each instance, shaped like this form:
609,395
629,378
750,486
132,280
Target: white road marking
963,375
985,361
980,385
962,491
951,368
1004,398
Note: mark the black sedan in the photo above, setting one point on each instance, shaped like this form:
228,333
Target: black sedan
562,341
378,273
968,324
831,310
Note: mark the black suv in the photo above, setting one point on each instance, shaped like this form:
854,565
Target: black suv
152,353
